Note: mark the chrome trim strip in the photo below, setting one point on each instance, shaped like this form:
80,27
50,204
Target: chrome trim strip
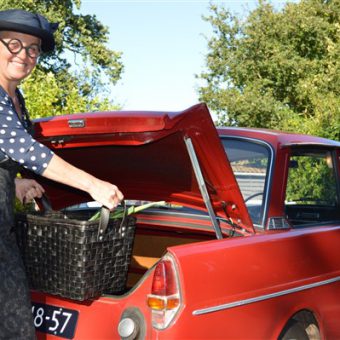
329,143
264,297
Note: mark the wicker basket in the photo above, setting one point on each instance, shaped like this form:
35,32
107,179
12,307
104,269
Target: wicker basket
69,256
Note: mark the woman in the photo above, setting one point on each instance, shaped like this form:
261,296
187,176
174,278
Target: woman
23,36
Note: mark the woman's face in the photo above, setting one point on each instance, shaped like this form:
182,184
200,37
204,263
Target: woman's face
15,67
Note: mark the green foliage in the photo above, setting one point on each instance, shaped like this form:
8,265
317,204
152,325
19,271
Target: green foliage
55,87
312,181
24,208
277,68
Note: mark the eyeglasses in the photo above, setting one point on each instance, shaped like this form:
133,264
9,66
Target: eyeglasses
15,46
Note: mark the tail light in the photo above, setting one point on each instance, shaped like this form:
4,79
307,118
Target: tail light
165,299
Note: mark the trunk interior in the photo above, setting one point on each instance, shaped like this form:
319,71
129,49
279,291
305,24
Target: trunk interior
153,236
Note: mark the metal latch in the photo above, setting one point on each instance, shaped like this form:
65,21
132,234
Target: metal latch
76,123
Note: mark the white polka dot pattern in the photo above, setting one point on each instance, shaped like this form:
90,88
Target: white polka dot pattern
17,143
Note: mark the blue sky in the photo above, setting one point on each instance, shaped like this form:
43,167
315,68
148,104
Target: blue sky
163,48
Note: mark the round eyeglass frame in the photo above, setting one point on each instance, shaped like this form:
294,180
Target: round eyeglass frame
21,47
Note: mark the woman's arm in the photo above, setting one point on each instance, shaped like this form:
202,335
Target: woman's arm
19,145
103,192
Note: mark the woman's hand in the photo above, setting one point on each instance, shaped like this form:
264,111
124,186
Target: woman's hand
105,193
27,189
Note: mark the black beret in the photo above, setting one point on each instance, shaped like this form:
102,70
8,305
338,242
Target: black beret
18,20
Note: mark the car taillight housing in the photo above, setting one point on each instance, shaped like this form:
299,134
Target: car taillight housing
165,299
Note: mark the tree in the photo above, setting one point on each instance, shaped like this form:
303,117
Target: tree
277,68
57,86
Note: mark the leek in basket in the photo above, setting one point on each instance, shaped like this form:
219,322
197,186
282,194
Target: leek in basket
119,212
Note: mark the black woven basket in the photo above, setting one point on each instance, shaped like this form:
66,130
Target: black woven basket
66,255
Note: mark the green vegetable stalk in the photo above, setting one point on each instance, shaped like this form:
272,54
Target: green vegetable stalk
119,212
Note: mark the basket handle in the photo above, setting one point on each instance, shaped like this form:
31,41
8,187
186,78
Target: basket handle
105,217
125,214
103,221
45,202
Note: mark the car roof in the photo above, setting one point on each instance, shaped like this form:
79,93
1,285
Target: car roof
277,138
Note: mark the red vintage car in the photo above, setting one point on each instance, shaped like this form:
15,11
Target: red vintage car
246,245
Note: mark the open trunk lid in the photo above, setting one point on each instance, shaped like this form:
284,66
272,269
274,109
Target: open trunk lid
145,154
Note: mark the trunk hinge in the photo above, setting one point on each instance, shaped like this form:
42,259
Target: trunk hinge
203,187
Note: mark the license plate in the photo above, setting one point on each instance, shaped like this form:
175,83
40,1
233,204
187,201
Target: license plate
54,320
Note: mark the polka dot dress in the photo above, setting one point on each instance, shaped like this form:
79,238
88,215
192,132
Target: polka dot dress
16,142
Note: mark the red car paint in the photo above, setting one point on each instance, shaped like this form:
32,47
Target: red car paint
245,287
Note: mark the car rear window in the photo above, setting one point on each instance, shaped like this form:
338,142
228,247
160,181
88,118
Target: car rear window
250,162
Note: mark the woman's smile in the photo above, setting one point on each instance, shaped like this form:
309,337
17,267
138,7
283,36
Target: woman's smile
18,63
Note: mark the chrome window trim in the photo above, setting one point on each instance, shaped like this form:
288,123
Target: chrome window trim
264,297
269,178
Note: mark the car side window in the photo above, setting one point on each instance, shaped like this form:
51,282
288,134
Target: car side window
311,194
250,163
